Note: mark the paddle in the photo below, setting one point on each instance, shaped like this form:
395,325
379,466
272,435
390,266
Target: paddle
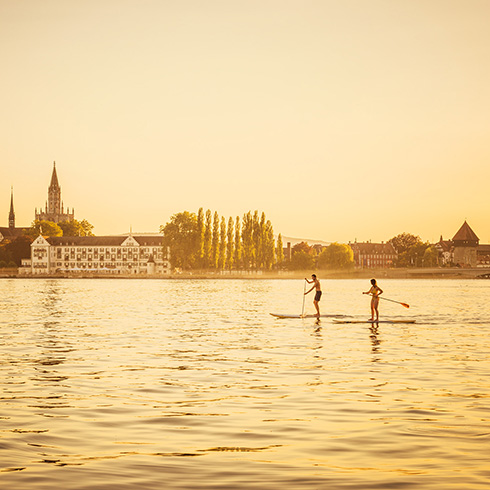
393,301
304,297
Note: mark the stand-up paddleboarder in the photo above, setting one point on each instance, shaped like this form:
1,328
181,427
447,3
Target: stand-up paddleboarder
375,291
318,294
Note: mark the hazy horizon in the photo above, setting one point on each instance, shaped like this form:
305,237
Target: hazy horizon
340,120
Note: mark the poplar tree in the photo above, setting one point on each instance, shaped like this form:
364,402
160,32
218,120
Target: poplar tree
237,259
207,240
200,237
230,245
257,241
247,241
222,245
215,241
268,246
279,251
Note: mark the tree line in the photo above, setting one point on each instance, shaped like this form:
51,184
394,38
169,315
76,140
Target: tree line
209,241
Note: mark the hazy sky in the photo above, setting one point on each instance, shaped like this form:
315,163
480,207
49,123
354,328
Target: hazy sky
342,120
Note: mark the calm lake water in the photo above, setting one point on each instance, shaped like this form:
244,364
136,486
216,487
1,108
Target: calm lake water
191,384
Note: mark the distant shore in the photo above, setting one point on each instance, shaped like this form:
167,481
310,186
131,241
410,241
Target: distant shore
412,273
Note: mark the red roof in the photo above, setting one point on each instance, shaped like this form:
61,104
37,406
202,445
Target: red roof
465,234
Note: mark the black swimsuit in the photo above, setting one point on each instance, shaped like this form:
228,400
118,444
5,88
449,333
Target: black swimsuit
318,295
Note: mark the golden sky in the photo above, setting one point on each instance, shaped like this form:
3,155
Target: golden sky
342,120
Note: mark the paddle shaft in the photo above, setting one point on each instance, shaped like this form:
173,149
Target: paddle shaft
393,301
304,297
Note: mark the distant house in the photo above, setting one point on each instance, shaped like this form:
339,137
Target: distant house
445,249
370,255
97,255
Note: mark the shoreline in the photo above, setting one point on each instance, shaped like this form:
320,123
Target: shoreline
419,273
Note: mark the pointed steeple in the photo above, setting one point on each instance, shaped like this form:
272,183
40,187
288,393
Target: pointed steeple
54,177
11,213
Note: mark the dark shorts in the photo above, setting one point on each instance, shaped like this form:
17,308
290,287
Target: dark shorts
318,295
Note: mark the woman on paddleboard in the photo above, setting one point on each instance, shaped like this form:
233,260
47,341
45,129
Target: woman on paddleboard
375,291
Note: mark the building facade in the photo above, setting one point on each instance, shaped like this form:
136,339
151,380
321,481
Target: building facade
54,210
373,255
97,255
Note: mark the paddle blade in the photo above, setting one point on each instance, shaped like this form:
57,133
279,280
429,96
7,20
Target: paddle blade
405,305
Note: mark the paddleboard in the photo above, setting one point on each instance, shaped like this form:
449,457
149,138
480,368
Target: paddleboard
374,321
286,315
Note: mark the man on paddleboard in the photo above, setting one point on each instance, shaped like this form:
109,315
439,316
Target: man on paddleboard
318,294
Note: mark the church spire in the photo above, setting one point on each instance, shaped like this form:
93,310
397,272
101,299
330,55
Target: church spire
11,213
54,177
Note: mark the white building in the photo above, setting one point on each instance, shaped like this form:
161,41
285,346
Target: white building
97,254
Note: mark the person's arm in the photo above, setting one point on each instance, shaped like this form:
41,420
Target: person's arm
368,292
310,290
309,282
380,291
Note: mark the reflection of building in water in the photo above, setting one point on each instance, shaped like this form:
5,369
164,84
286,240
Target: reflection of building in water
464,249
98,254
54,210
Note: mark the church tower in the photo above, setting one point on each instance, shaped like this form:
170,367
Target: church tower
54,210
11,213
54,194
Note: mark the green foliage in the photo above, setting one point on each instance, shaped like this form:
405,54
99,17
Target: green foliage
45,228
207,240
211,242
302,260
431,257
200,237
410,250
215,242
222,245
230,244
76,228
237,259
279,250
336,256
181,236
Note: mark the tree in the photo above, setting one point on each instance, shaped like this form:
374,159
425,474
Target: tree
302,247
302,260
45,228
268,246
207,240
15,250
410,249
336,256
230,245
431,256
279,251
222,245
76,228
200,237
247,241
402,242
237,259
215,241
180,235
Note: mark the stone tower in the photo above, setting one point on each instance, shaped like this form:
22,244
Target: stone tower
465,243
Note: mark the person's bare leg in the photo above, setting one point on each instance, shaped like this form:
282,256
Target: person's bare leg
317,308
